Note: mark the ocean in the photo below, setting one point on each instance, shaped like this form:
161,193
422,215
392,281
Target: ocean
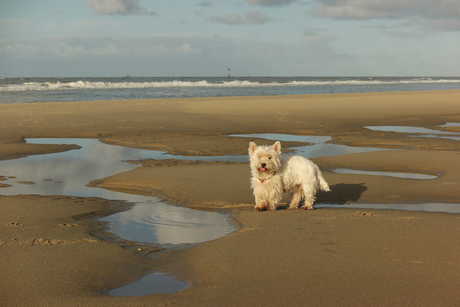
26,90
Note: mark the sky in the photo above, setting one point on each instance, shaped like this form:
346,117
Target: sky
111,38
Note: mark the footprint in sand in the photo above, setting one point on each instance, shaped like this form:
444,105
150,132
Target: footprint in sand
363,214
15,224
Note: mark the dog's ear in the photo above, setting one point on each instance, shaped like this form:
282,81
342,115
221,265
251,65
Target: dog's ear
252,147
277,147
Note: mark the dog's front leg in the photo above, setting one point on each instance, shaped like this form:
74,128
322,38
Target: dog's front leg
271,206
261,202
260,206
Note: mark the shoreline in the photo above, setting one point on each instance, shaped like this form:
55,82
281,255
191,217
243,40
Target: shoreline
334,249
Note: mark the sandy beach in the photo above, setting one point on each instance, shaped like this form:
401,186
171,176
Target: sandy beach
55,252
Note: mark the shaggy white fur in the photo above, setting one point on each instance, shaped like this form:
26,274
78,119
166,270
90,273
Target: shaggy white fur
273,175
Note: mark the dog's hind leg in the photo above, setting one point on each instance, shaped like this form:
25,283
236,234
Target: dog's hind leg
308,197
296,193
271,206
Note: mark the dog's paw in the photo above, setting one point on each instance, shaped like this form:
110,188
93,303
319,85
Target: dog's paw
260,207
306,208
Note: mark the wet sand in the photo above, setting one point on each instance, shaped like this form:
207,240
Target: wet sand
53,251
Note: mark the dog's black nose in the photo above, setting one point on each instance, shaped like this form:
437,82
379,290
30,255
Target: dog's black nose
263,164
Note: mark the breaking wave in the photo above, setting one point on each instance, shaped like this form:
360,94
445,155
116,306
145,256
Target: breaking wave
47,85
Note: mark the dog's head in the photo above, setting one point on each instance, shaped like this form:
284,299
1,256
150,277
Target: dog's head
265,159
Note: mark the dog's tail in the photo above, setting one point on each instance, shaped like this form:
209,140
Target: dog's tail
321,181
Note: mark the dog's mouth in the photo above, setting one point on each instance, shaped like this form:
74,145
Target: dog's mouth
262,169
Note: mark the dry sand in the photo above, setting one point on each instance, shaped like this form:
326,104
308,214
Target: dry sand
54,252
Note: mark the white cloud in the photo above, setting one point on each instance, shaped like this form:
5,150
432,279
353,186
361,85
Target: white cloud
425,15
79,47
107,49
316,43
117,7
231,19
318,53
62,47
17,49
386,9
168,48
83,26
186,48
428,25
249,18
67,51
205,3
270,2
317,36
13,26
256,18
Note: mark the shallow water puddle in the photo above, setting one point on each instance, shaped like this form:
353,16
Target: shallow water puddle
164,224
318,148
68,173
150,284
321,149
421,131
431,207
389,174
450,124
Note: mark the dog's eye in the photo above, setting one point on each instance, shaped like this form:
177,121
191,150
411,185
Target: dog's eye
269,158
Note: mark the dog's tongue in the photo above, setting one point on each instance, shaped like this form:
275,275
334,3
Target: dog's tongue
262,169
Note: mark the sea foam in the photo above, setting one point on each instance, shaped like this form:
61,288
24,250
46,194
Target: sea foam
272,82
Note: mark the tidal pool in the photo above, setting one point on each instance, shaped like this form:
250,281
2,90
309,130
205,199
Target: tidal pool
450,124
150,284
68,173
429,207
150,220
421,131
156,222
318,146
388,174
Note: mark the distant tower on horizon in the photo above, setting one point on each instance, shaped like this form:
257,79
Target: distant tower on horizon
229,72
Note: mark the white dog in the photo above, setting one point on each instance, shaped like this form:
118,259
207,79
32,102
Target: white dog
273,175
